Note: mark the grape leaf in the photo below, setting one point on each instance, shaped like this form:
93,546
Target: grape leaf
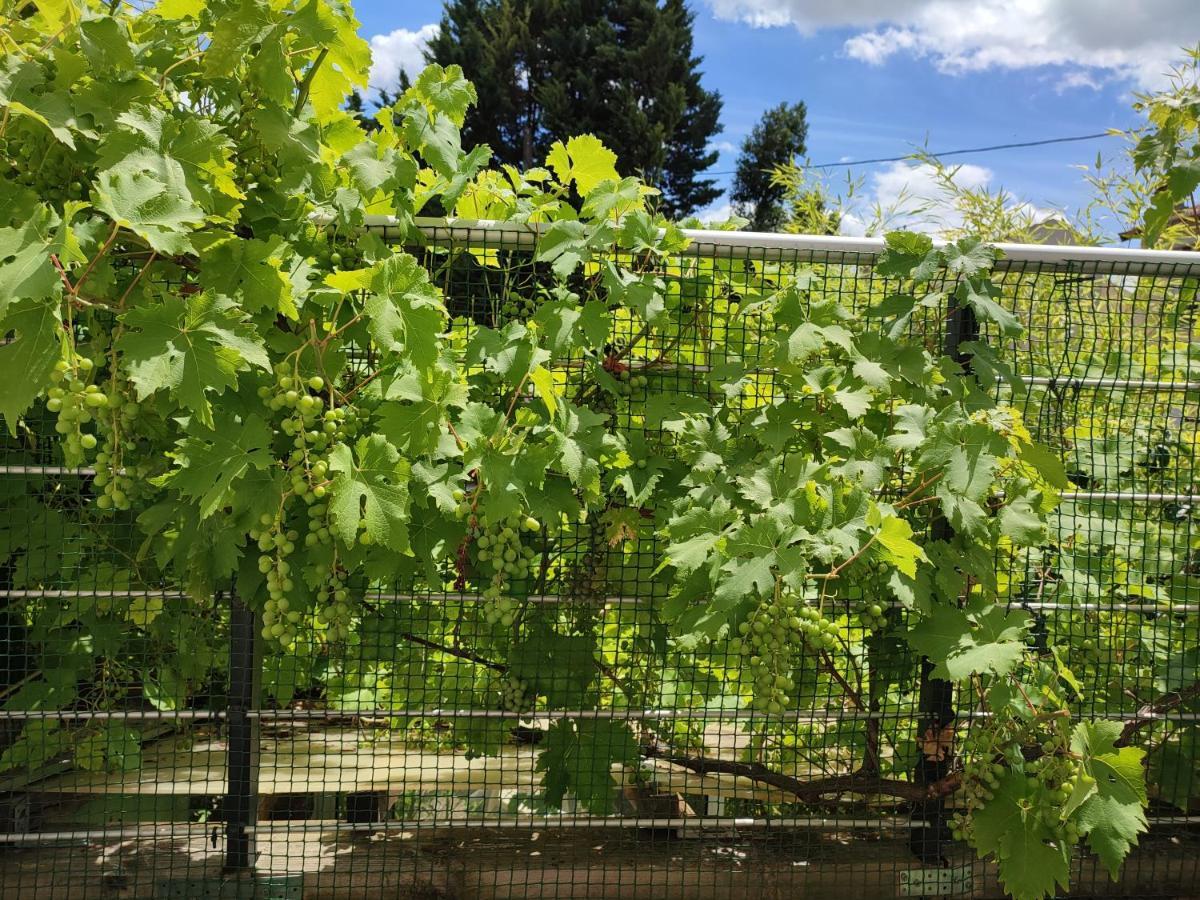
983,298
251,273
405,310
370,483
157,209
22,93
1114,816
1010,826
981,638
895,537
584,160
577,758
26,271
968,256
211,463
28,358
190,348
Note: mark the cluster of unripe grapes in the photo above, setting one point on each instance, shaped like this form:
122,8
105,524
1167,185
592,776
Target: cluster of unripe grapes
120,484
76,403
335,612
766,642
629,384
1051,776
980,778
48,167
517,307
499,551
871,615
514,693
331,254
313,428
276,544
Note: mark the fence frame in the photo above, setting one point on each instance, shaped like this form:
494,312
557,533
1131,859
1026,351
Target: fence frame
936,706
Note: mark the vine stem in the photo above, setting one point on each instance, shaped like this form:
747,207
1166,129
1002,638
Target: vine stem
1149,715
457,652
812,789
306,84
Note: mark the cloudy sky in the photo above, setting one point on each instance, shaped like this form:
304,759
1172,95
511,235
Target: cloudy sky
883,76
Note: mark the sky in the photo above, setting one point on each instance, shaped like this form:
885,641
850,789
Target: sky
882,77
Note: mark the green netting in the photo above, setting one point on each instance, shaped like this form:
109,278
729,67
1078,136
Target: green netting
172,751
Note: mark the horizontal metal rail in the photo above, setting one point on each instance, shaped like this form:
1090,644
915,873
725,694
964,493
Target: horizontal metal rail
818,248
589,822
174,829
1104,381
1128,497
100,715
809,716
616,602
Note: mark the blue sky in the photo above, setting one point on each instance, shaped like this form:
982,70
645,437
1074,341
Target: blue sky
880,76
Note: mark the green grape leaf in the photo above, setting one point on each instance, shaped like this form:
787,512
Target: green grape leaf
371,484
584,160
1175,767
190,348
157,210
405,310
1114,816
577,758
565,246
251,273
982,638
210,464
895,539
1010,827
26,271
511,352
983,297
22,94
968,256
908,255
1022,523
1047,463
105,44
446,91
28,358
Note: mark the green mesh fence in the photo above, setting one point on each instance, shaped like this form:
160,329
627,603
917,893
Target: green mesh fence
171,755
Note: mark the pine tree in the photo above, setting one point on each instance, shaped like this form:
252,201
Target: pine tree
777,139
623,70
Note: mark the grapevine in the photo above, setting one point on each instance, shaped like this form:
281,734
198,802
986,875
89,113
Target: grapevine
216,293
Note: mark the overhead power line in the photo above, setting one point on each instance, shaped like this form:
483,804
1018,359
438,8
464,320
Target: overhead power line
988,149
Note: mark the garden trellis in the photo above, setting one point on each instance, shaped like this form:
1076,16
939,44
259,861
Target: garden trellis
571,737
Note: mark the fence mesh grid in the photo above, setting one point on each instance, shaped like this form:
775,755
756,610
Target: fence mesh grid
176,744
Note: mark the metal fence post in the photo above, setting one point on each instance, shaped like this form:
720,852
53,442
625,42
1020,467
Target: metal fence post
936,698
241,799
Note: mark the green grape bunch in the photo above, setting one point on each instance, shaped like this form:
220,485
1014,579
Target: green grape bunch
500,557
767,643
513,692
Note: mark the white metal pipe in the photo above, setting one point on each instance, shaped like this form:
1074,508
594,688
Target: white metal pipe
827,248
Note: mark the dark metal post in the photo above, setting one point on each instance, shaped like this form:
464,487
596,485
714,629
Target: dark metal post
936,700
241,799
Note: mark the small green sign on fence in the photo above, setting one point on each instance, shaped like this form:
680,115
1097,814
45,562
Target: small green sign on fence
947,882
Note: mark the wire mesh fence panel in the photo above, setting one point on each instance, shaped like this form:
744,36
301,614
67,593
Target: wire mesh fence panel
513,716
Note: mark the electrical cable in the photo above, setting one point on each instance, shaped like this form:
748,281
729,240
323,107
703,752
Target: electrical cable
989,149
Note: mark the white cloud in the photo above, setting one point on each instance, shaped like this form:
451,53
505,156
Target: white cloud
723,146
1090,39
397,50
715,214
909,195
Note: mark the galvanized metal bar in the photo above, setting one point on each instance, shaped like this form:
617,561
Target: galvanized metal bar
245,674
819,248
